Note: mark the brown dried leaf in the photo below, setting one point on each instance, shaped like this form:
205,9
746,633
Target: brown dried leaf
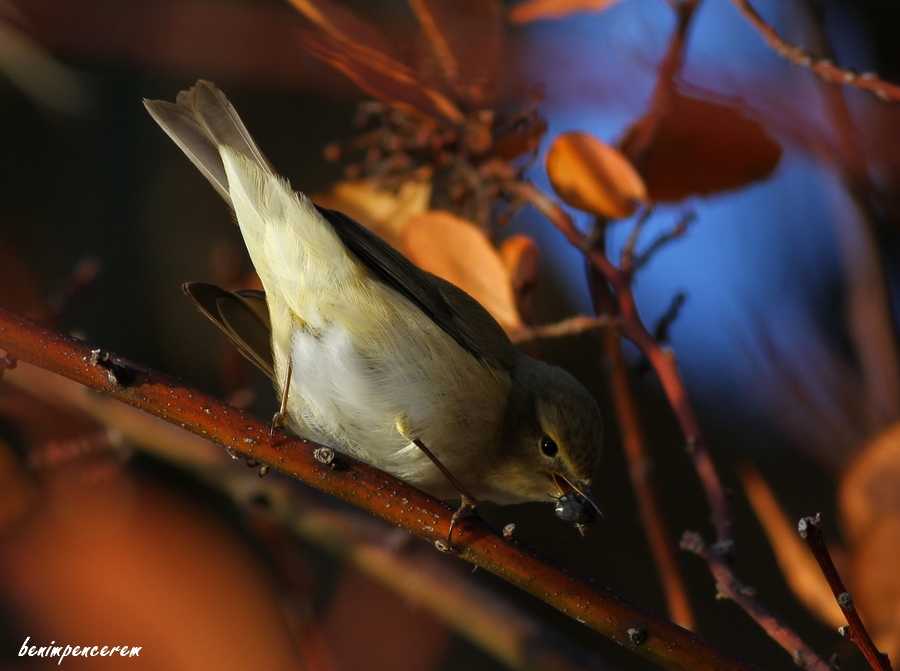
340,22
524,137
869,505
380,76
459,252
380,211
876,582
538,10
466,37
870,487
700,148
520,255
590,175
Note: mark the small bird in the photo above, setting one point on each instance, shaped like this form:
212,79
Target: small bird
375,357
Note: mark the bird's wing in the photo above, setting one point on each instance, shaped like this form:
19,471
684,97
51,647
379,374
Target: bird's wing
200,121
453,310
242,315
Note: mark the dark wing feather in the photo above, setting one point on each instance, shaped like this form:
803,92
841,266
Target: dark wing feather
453,310
242,315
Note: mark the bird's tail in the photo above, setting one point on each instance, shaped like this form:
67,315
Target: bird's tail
295,250
200,121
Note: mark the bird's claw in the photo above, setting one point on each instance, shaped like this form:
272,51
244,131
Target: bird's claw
277,423
467,508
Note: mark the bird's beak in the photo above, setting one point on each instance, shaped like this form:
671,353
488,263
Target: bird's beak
583,489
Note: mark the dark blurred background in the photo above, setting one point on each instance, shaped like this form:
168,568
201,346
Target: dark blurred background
89,174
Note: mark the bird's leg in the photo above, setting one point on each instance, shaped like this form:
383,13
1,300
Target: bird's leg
278,418
468,502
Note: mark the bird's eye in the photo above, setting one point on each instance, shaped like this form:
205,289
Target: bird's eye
548,446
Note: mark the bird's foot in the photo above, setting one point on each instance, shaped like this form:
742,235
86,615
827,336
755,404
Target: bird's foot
468,507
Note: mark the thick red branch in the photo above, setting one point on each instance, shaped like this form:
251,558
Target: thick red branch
364,487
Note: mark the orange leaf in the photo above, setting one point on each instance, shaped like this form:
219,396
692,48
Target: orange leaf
700,148
466,36
520,255
380,76
537,10
876,582
461,253
870,487
869,505
382,212
590,175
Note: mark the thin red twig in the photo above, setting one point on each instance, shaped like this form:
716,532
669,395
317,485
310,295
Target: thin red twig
810,531
366,488
640,466
824,68
634,442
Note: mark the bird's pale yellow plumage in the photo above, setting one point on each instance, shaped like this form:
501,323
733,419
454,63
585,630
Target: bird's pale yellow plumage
381,352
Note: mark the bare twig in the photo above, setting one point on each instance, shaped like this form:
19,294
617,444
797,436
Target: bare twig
664,363
664,323
500,628
827,70
566,327
810,531
678,230
748,599
629,248
366,488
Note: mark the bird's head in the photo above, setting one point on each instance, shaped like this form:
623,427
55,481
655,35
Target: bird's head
551,436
